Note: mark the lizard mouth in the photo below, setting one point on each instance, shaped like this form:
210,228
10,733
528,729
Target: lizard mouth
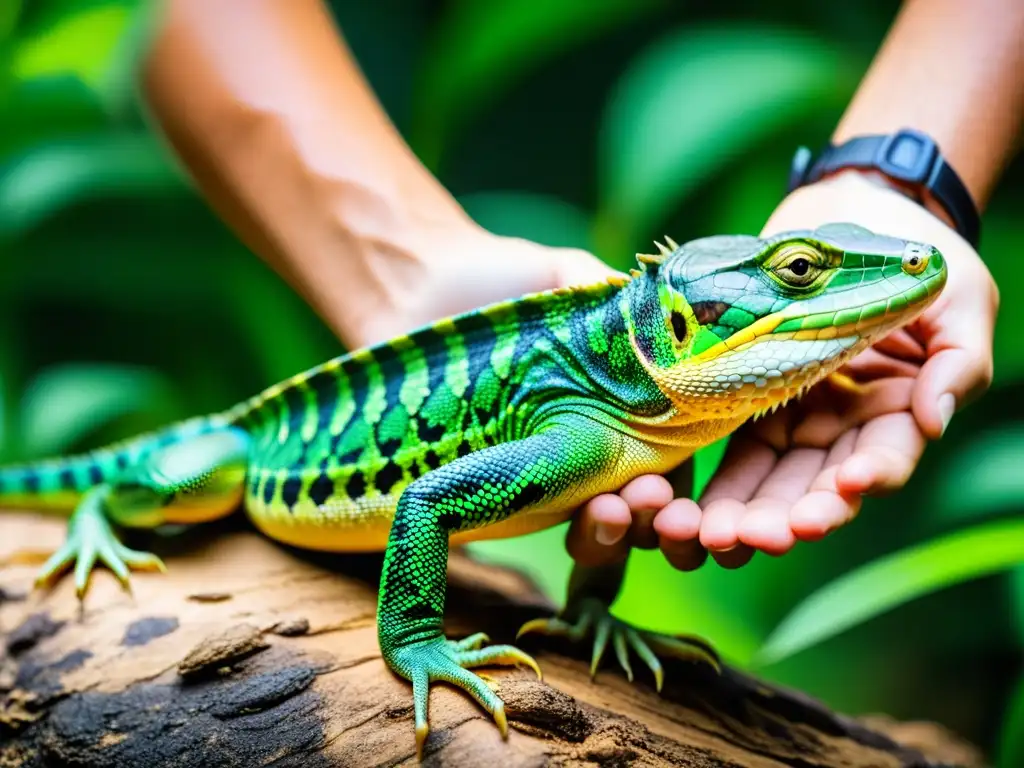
780,356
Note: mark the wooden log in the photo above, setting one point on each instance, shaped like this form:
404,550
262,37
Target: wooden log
248,653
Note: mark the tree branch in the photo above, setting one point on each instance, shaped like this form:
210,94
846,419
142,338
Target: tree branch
248,653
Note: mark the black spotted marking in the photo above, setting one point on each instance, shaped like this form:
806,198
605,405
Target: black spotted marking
291,488
389,447
532,493
435,353
482,415
463,449
679,326
360,388
121,460
393,372
450,521
269,486
321,489
480,339
356,485
418,611
352,457
325,387
67,479
428,433
31,481
95,474
294,399
386,478
529,335
431,459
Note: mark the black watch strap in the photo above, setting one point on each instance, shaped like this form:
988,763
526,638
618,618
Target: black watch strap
907,156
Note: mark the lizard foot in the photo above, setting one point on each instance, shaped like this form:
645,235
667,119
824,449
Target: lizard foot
91,539
593,614
427,661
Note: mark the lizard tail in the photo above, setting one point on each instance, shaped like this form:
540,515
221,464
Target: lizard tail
57,484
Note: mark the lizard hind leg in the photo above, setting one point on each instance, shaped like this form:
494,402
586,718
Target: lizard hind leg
196,479
591,593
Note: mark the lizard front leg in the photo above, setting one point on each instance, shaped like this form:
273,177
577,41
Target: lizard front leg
590,596
478,489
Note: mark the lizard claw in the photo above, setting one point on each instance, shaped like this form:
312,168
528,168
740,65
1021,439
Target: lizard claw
439,659
594,613
91,540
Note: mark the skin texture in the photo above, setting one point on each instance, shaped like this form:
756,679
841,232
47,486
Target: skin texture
499,422
372,241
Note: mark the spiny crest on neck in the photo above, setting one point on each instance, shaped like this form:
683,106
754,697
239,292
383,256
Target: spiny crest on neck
648,262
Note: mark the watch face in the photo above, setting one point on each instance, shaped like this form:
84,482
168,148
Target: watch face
907,155
910,159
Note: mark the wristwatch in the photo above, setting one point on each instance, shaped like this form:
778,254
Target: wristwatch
907,157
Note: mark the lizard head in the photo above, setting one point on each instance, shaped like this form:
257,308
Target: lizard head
742,324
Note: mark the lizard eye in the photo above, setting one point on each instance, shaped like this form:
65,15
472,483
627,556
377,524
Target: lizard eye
915,259
797,266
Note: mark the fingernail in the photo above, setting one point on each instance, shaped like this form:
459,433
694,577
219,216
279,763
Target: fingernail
947,406
606,535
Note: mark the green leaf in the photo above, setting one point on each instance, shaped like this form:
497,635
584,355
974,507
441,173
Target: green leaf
541,218
9,10
540,556
279,325
697,100
708,603
44,179
481,48
1004,239
117,90
991,460
1009,752
893,580
80,45
65,403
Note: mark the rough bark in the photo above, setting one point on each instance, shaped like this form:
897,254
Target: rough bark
248,654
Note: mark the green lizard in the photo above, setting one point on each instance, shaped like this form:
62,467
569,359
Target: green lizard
498,422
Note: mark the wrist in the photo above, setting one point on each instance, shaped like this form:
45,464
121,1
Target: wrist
376,253
865,199
925,200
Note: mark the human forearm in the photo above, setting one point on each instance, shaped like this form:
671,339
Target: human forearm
275,123
955,70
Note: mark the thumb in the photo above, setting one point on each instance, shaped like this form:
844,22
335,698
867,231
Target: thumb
958,337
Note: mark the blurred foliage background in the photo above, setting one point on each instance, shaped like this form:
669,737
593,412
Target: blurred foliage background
125,303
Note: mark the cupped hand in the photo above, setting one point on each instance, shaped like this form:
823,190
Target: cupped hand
803,472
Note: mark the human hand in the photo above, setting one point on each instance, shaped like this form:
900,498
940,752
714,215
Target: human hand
458,267
802,472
